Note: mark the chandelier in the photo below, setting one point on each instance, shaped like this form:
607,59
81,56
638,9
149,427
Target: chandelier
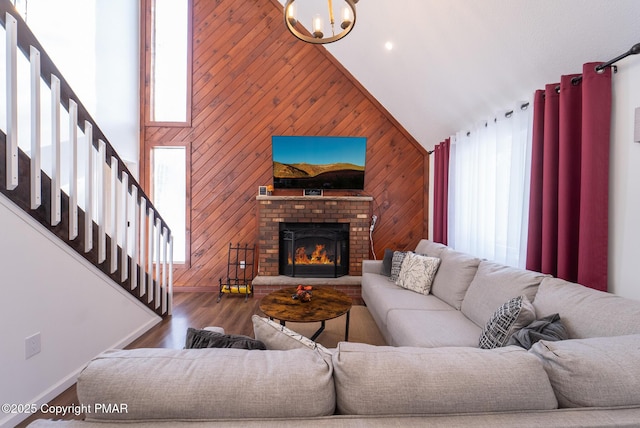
318,36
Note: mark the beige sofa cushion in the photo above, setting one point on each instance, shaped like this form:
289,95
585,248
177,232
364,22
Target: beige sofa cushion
596,372
208,384
386,380
430,248
454,276
586,312
430,329
495,284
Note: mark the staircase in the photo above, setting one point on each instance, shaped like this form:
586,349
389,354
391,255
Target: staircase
88,199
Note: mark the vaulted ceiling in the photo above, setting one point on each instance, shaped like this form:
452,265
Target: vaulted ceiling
457,62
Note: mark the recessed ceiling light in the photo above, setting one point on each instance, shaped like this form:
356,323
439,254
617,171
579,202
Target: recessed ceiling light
388,46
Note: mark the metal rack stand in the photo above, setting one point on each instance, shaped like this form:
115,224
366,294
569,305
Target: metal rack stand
240,270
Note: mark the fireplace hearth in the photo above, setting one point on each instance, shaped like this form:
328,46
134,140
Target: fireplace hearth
314,250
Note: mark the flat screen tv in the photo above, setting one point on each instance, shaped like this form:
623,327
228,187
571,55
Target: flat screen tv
304,162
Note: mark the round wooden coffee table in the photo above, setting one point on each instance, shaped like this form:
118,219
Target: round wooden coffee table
326,303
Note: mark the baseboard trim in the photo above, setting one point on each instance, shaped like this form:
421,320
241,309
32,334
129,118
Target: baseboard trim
208,289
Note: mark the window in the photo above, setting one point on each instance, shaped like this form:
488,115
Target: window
169,61
489,188
169,186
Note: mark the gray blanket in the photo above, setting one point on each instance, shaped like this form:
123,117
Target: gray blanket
547,328
210,339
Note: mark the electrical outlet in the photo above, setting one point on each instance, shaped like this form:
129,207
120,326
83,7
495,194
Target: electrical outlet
242,265
32,346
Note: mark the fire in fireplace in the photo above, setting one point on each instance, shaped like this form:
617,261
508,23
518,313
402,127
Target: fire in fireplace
316,250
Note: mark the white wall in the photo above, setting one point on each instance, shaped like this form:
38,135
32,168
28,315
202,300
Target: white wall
49,289
624,188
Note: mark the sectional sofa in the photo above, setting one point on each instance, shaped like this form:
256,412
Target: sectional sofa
433,374
466,292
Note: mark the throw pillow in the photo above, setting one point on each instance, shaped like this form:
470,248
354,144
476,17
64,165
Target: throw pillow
386,262
211,339
396,264
506,320
417,273
278,337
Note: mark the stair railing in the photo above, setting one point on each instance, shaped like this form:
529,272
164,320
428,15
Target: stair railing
75,184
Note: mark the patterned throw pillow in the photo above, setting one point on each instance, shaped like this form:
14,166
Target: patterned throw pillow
506,320
396,264
417,273
278,337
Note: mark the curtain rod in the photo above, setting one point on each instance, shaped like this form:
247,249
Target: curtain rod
635,49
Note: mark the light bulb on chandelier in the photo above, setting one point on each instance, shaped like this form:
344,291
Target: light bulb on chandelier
317,36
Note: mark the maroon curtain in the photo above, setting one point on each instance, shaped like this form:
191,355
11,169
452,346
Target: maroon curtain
568,207
441,191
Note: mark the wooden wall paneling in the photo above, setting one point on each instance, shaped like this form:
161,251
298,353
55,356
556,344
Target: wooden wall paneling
356,109
251,84
205,164
323,106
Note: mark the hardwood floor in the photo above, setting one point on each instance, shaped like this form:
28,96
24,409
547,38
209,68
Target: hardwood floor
196,310
200,310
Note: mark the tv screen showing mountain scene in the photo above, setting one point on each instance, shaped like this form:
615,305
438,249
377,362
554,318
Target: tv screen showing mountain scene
301,162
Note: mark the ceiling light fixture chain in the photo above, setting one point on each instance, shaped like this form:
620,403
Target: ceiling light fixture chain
316,36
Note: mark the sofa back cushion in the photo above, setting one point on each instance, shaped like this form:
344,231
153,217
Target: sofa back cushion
208,384
454,276
586,312
383,380
595,372
430,248
495,284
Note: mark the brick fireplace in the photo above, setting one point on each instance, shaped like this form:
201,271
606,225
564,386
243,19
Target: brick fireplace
273,210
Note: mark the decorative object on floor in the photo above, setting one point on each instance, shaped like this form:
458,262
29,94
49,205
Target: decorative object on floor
240,262
347,17
303,293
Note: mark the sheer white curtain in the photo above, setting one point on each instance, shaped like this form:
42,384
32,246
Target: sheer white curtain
489,187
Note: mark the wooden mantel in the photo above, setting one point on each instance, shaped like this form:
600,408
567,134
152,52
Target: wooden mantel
314,198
